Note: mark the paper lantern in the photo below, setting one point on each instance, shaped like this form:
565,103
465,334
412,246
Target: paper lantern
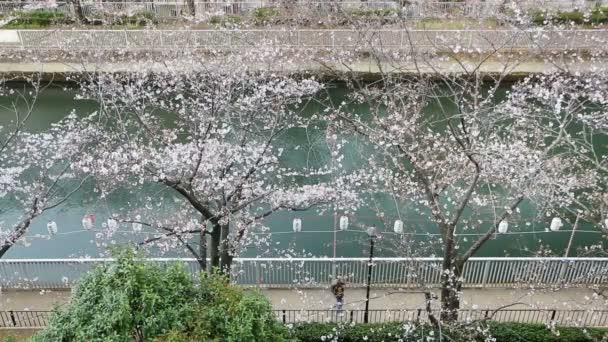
297,225
343,223
52,227
371,231
87,222
556,224
398,227
503,226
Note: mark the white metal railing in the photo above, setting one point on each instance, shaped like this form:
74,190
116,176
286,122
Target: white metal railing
318,272
417,40
415,9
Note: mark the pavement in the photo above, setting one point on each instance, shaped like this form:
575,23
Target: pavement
363,66
384,298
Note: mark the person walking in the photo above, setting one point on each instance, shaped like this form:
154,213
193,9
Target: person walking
338,290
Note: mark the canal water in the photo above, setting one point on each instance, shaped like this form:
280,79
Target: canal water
527,236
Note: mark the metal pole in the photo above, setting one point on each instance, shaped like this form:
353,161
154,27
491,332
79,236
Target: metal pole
369,279
333,271
571,236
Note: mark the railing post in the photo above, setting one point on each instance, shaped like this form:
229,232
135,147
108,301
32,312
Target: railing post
13,320
20,39
284,318
562,271
486,269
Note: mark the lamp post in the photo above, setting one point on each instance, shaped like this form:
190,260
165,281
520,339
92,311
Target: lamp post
371,232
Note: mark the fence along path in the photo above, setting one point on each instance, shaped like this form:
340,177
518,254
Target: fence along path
579,318
419,40
319,272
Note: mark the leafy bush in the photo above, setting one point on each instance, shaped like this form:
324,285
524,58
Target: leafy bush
386,12
263,15
225,19
230,313
131,300
141,18
36,19
503,332
597,16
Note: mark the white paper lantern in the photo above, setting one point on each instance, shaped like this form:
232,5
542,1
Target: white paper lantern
136,225
112,224
52,227
503,226
87,222
371,231
209,226
398,227
556,224
297,225
606,223
344,223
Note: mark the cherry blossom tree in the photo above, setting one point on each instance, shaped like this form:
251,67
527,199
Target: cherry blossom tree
457,148
214,135
36,168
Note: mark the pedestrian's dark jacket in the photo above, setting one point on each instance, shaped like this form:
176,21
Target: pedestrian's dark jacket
338,290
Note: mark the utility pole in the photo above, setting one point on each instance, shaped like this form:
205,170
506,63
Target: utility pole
372,234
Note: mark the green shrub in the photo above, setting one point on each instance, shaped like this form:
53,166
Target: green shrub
225,19
373,12
502,332
135,300
141,18
36,19
597,16
263,15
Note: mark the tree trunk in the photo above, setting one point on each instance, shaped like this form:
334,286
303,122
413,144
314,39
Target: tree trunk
78,11
214,248
202,251
225,250
450,292
191,7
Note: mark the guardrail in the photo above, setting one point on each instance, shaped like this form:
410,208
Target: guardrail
419,9
418,40
579,318
319,272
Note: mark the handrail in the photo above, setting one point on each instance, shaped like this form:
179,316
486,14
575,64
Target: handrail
319,271
237,260
579,318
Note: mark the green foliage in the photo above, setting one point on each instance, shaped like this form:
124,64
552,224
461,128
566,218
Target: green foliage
597,16
517,332
264,15
503,332
10,339
141,18
135,300
367,13
36,19
122,300
225,20
231,314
